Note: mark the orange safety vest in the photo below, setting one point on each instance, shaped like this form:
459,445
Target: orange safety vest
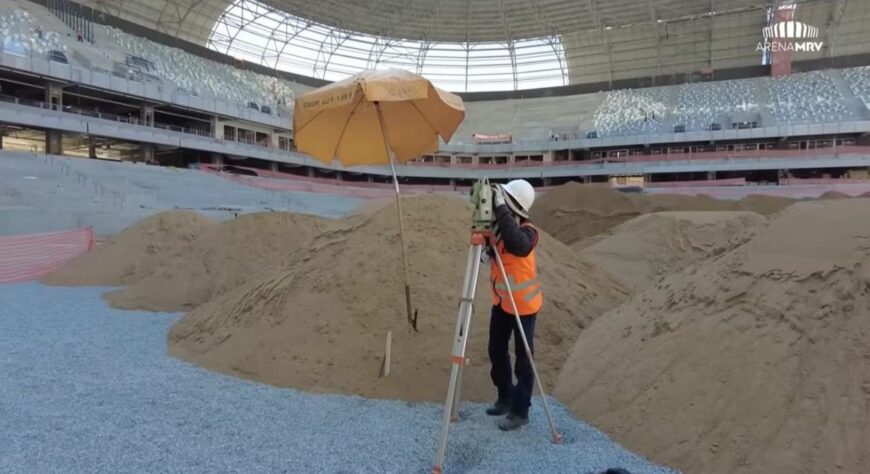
522,273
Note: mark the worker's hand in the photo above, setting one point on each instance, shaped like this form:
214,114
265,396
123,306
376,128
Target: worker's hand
497,196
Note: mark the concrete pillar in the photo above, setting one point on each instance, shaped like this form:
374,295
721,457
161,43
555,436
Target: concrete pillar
54,142
586,179
54,95
1,139
310,172
92,147
547,181
217,131
371,179
146,115
273,166
217,159
147,152
711,176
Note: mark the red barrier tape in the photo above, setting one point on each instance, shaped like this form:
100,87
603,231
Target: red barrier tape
31,256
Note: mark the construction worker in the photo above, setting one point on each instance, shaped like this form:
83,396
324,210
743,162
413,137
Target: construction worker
514,238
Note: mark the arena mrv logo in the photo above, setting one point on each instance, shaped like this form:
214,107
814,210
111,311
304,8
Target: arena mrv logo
787,36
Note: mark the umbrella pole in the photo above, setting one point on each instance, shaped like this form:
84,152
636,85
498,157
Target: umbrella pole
412,318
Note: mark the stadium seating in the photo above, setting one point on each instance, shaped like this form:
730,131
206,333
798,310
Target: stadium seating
859,82
198,75
117,52
699,105
632,112
804,98
20,37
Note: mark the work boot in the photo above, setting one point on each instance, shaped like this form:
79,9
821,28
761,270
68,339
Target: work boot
499,408
512,422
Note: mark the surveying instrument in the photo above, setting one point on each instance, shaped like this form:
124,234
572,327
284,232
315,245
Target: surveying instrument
482,194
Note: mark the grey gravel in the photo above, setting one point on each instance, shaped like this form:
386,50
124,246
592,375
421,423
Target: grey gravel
86,388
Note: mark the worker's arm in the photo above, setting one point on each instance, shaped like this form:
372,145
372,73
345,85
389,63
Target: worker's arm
518,240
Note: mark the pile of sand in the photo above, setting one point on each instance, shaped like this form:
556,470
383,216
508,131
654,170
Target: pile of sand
576,212
642,250
137,252
318,320
177,260
756,361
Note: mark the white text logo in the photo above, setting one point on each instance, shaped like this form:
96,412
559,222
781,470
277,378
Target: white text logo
789,31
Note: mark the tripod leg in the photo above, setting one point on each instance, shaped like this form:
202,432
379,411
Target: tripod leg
557,437
460,342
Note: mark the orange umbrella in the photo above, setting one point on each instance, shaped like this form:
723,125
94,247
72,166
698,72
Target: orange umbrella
377,117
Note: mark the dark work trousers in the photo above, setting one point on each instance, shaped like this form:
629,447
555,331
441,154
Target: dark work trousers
501,326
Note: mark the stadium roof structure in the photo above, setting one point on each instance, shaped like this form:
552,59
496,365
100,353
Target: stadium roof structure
476,45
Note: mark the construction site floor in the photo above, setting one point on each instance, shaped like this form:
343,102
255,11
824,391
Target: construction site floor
87,388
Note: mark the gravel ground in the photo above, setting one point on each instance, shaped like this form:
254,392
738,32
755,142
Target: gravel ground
86,388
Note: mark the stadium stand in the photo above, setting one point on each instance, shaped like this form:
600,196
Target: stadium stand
805,98
700,106
137,58
859,82
633,112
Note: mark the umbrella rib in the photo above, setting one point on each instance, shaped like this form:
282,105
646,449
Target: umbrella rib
297,129
344,128
437,132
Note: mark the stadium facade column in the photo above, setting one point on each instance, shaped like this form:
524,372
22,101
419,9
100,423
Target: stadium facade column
711,176
217,159
54,142
273,166
310,172
54,138
146,115
216,130
146,152
92,147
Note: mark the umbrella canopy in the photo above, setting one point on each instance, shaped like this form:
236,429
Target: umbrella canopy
359,120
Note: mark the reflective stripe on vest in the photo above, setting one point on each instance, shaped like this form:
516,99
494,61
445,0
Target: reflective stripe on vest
522,277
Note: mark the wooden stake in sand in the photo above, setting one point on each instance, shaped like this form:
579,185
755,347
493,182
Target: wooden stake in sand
385,366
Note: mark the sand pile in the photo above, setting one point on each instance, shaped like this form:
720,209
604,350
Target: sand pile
764,204
318,320
575,212
642,250
178,260
834,195
134,253
756,361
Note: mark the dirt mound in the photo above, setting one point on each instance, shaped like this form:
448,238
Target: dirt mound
680,202
642,250
220,259
756,361
178,260
575,212
764,204
134,253
318,320
834,195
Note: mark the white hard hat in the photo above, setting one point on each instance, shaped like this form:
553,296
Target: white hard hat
521,196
